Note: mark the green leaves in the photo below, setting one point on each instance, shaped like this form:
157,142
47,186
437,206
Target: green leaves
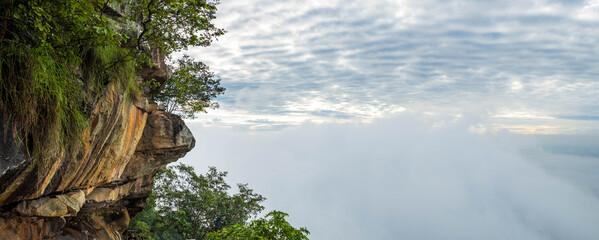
272,227
57,22
173,25
188,205
48,80
190,89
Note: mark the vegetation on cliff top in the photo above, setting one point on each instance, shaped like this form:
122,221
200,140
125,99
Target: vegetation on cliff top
58,55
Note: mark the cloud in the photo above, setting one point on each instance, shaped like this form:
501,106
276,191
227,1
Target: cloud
412,177
442,56
582,117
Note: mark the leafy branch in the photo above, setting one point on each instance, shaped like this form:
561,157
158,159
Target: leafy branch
190,88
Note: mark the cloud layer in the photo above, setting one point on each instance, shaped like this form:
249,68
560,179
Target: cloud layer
412,177
327,76
346,60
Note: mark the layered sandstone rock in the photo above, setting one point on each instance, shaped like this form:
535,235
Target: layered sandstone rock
62,205
92,191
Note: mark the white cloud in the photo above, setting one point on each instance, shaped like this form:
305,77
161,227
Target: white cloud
447,57
409,177
590,11
325,76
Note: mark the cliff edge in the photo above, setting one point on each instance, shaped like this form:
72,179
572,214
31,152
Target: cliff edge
93,191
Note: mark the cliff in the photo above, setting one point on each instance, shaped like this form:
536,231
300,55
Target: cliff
93,189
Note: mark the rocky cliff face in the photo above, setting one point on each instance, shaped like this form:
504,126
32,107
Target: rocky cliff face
92,191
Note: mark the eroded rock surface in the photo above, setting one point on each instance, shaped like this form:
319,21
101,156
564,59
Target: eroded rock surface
61,205
92,191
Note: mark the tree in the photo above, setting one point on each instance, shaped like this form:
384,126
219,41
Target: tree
186,205
173,25
190,88
272,227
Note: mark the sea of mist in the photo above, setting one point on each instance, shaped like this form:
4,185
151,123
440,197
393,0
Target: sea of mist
413,177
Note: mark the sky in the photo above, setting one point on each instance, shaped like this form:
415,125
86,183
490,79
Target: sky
410,119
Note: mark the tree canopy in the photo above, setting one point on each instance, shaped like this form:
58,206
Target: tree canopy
272,227
186,205
190,88
173,25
